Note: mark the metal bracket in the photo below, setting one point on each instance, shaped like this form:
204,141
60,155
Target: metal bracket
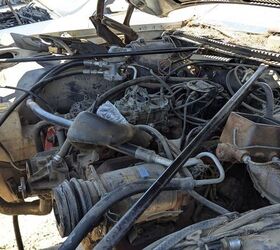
101,24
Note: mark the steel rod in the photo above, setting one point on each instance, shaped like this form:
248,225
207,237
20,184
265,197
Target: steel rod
126,222
98,55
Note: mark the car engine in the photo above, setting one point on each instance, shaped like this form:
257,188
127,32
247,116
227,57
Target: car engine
89,137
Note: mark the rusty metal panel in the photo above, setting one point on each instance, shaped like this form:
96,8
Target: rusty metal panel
252,135
17,141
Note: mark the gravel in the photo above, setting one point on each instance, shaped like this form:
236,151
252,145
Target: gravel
38,232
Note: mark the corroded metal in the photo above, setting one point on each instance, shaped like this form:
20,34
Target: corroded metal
252,135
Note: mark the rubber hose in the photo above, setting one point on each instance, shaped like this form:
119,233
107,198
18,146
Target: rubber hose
93,216
17,233
171,240
249,217
160,137
209,204
269,107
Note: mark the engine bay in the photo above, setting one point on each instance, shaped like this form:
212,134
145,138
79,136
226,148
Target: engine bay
88,137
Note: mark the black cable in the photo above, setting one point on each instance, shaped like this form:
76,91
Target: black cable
187,117
185,121
164,84
98,55
40,84
235,71
245,105
192,102
191,119
9,156
269,104
232,92
51,75
31,94
190,135
212,64
17,233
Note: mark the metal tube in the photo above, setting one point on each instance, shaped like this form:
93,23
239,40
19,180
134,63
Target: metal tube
99,55
126,222
149,155
44,115
134,71
64,148
62,151
219,167
37,207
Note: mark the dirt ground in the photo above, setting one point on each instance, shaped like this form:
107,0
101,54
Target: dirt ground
38,232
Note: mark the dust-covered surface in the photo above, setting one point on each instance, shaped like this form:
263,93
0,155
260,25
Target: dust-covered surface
269,41
38,232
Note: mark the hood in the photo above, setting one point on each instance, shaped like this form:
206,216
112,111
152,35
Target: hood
164,7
